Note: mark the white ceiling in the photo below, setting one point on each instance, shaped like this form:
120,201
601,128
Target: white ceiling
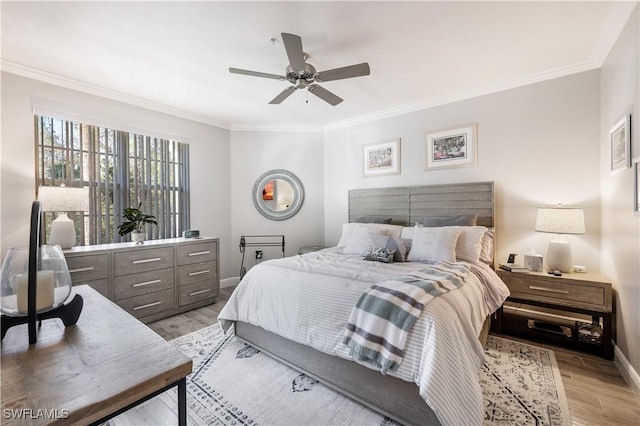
174,56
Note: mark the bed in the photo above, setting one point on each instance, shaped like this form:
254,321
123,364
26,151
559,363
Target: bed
296,308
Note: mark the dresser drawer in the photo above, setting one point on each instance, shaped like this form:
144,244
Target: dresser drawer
556,291
143,283
135,261
101,286
197,253
148,304
88,267
188,274
197,292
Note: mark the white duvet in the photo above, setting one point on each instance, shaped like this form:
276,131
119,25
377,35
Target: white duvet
308,299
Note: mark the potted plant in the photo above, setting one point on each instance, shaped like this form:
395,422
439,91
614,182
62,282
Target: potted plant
135,223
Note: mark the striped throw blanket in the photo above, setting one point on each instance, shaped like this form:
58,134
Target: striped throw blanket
379,323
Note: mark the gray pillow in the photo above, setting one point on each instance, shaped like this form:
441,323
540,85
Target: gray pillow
460,220
399,246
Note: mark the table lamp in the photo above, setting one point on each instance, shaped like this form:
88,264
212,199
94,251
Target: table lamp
560,220
63,199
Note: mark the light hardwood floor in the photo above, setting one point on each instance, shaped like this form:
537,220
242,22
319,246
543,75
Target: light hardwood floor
597,392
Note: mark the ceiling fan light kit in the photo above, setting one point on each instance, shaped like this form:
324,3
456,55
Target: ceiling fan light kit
303,75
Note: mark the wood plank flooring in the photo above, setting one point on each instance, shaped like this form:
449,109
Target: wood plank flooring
597,392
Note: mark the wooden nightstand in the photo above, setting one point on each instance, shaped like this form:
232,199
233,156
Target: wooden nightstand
540,308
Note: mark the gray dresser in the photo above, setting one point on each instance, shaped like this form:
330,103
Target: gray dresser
154,280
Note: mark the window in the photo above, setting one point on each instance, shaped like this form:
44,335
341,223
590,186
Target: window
119,169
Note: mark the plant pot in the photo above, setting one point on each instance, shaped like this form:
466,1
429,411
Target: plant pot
137,237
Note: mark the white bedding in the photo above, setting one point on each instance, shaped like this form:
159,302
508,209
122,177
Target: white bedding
308,299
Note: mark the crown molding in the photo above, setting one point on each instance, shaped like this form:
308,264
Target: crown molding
50,78
293,128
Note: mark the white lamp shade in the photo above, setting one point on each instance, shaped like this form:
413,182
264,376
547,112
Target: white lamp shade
63,199
63,232
560,220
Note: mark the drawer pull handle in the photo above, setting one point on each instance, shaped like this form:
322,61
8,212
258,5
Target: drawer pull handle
148,305
550,290
88,268
155,259
195,293
146,283
199,253
191,274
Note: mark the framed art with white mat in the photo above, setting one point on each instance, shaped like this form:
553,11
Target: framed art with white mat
620,145
453,147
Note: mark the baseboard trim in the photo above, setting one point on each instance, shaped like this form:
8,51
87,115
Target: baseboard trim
229,282
626,369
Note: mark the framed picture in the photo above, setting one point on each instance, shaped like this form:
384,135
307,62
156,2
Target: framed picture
382,158
636,186
455,147
620,145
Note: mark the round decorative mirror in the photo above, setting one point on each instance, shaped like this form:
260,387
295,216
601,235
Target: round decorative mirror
278,194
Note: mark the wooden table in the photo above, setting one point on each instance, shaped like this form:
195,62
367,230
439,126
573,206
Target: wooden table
87,373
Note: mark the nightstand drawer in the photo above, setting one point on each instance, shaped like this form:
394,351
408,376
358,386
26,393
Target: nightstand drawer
556,291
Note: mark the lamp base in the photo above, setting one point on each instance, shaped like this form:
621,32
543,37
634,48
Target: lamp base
63,232
68,313
559,255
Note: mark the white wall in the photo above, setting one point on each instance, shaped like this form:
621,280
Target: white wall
254,153
620,94
539,143
209,153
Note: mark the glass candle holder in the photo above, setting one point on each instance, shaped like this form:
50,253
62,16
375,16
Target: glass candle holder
53,282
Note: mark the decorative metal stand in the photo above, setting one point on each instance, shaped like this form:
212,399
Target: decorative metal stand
68,313
258,241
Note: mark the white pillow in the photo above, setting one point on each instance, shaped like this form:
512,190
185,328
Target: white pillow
434,244
407,232
486,254
359,241
381,228
469,245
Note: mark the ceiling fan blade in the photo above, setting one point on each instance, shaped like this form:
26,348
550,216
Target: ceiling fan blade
293,46
344,72
256,74
283,95
325,95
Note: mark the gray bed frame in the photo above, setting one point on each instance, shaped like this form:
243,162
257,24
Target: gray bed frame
390,396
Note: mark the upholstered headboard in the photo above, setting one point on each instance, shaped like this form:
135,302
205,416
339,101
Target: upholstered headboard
409,204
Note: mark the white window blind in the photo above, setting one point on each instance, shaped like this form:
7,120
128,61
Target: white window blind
120,169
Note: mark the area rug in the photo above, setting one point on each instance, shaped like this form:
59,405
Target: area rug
235,384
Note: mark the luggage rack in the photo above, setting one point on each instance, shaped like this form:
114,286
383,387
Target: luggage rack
258,241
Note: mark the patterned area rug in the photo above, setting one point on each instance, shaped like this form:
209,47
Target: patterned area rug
234,384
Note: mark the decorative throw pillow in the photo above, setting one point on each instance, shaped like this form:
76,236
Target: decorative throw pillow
380,255
401,246
349,231
434,244
460,220
486,253
469,245
359,241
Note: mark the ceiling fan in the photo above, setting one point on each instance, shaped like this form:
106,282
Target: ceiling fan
304,76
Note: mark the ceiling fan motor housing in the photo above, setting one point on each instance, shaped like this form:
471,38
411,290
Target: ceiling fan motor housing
308,74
